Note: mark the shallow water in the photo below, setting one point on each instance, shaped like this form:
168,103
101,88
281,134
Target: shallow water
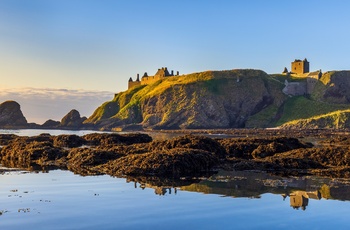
229,200
240,200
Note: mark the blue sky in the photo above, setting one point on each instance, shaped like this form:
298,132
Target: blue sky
98,44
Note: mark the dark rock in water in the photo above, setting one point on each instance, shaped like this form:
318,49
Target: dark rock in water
6,138
39,152
106,139
191,142
248,148
83,157
11,115
72,120
186,156
50,124
323,157
69,141
174,162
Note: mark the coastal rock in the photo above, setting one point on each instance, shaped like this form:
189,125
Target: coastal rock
83,157
173,162
11,115
190,142
72,120
106,139
249,148
6,138
50,124
33,152
68,141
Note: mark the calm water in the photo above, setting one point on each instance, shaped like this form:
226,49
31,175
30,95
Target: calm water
229,200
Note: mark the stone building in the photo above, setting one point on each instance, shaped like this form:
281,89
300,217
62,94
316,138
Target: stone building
307,82
146,80
300,67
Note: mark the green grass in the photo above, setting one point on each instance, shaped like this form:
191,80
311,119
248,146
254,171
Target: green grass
334,120
263,119
301,107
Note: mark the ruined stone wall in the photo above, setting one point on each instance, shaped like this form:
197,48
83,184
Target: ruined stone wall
132,84
150,80
295,88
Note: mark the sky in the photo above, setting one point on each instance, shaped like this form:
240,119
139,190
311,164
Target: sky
92,47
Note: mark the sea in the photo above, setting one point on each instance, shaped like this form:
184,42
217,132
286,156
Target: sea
60,199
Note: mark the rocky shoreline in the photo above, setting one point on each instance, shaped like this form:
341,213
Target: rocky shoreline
193,154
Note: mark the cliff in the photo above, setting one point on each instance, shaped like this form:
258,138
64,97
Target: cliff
11,115
212,99
333,87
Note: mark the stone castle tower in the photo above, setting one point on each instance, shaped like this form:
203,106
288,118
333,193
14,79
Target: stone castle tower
300,67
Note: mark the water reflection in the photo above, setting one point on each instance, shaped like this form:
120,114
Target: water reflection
242,184
253,185
300,199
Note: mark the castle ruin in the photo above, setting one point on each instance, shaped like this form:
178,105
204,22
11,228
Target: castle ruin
301,69
146,80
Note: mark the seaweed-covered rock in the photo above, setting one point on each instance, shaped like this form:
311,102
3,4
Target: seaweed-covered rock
248,148
6,138
325,156
69,141
106,139
191,142
173,162
83,157
38,152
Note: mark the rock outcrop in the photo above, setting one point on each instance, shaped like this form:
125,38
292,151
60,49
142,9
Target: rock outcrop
50,124
11,115
333,87
72,120
184,156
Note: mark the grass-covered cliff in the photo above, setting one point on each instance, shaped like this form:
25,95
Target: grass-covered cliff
212,99
327,107
222,99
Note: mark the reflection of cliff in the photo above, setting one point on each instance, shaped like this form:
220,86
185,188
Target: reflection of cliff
300,199
252,185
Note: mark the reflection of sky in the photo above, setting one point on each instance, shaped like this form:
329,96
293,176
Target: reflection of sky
62,199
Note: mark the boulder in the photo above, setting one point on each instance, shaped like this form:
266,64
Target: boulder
11,115
72,120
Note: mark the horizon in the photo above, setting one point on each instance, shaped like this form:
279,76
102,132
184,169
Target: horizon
97,47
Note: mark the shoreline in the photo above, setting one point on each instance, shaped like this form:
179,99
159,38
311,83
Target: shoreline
189,154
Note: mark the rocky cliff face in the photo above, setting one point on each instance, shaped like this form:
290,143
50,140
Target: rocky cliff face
212,99
11,115
333,87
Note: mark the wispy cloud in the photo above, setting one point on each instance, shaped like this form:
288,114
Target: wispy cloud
41,104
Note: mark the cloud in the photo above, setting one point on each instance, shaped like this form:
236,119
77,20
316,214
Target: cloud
41,104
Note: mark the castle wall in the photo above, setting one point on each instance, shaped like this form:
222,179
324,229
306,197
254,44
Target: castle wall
150,80
132,84
295,88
